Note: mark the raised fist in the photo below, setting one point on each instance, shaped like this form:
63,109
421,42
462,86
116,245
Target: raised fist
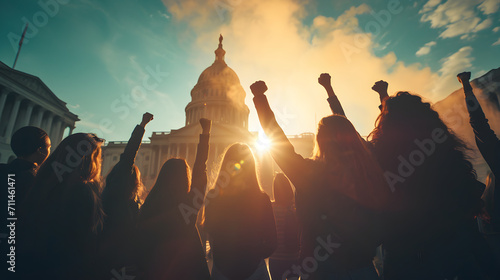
325,80
206,125
380,87
463,77
258,88
146,118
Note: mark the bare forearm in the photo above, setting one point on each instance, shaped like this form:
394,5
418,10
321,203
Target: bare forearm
383,96
199,175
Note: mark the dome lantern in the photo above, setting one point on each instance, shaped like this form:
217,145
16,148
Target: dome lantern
220,52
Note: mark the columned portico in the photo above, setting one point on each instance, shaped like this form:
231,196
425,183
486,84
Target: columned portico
12,119
26,100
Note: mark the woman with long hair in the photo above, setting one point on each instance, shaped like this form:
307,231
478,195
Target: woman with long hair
239,219
287,228
169,246
121,200
433,234
340,194
65,217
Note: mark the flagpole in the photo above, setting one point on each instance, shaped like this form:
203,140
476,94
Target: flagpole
20,45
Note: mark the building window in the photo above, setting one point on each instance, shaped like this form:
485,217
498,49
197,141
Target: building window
147,158
115,158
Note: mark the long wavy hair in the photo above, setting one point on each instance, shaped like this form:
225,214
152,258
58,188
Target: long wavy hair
343,151
133,189
238,172
77,159
171,187
236,180
444,179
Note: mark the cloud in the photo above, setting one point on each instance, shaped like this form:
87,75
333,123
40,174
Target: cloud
164,15
496,43
268,40
489,6
457,62
458,17
430,5
426,49
496,29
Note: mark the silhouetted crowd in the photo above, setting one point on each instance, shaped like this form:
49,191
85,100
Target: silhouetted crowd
402,204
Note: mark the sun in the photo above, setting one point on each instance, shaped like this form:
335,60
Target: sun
262,143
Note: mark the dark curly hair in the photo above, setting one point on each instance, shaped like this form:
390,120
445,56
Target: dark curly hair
441,179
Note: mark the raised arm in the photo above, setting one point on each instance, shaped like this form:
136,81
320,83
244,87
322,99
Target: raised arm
199,176
381,88
134,143
486,140
292,164
325,80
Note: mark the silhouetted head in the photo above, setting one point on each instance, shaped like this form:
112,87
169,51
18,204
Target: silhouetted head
171,187
237,172
31,143
336,139
78,156
405,115
236,188
283,193
349,162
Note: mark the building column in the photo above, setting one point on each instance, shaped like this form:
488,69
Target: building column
55,133
3,99
169,150
27,116
159,159
39,118
61,130
178,150
187,152
71,130
12,120
49,124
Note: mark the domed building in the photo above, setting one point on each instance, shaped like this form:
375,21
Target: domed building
218,96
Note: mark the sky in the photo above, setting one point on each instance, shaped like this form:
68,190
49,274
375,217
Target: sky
111,61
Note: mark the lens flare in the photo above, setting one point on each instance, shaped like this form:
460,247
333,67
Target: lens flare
263,144
237,166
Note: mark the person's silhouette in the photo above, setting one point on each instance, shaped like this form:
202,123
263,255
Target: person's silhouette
168,244
239,219
121,200
340,192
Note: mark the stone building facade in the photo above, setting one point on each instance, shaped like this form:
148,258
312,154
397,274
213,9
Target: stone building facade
26,100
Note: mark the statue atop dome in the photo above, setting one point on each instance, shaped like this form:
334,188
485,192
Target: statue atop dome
220,52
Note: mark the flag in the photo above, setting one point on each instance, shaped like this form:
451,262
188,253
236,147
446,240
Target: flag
24,33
